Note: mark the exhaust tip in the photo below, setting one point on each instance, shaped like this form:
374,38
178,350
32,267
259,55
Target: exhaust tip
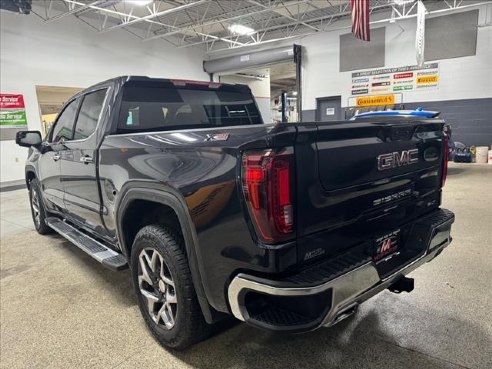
347,313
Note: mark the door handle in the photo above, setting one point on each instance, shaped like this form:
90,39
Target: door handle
56,157
86,159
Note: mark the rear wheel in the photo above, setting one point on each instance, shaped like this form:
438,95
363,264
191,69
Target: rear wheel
165,292
37,208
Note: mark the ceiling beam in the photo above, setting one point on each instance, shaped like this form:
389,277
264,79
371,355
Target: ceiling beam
291,24
72,11
225,18
280,76
286,25
458,6
155,15
210,27
131,16
284,15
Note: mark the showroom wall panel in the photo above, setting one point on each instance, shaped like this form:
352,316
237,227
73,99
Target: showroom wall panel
351,50
451,36
460,78
69,53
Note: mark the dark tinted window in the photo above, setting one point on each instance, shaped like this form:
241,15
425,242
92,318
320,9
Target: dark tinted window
158,108
64,124
89,114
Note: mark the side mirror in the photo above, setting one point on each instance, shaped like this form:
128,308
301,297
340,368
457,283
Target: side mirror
28,138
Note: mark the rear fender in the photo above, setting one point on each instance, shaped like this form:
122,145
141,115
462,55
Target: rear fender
166,195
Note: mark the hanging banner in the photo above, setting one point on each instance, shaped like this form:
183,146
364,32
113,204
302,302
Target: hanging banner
420,34
12,111
390,80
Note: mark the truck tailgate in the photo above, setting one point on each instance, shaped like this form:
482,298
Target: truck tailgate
366,179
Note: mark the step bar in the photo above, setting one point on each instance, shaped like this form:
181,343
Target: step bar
95,249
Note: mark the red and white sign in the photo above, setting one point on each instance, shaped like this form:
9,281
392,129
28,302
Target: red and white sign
403,75
10,101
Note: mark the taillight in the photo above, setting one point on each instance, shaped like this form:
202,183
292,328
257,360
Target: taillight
267,185
445,151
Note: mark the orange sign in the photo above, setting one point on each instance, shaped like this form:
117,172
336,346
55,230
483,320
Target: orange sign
375,100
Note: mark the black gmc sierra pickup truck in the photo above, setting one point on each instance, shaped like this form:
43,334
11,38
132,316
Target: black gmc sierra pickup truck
287,227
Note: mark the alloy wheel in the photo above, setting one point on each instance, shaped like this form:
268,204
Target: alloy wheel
156,284
35,207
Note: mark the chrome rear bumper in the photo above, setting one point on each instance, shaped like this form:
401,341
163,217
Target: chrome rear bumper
344,293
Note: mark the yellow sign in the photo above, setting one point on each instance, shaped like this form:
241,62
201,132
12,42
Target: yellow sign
424,80
375,100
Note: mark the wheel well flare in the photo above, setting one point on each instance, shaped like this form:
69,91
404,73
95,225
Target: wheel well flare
140,213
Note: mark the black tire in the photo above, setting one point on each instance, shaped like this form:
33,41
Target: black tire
189,324
38,211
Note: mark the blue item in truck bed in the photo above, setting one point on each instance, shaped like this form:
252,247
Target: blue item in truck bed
414,113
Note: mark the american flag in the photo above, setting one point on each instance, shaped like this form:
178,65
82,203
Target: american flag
360,19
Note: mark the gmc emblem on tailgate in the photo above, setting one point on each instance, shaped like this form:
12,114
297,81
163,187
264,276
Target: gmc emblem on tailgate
398,159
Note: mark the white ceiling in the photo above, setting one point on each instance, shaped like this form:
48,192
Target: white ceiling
205,23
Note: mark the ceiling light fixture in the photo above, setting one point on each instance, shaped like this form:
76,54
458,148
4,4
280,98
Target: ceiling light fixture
139,2
241,30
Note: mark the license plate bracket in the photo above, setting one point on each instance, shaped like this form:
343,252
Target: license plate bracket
387,246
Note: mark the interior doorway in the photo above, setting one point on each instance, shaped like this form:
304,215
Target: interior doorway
258,80
283,81
50,102
274,76
269,85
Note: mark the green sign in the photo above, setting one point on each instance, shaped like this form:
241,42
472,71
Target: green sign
13,118
402,88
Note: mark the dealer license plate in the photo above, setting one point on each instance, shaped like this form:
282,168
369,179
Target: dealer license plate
387,246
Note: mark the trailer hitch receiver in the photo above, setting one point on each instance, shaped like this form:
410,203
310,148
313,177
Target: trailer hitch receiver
403,284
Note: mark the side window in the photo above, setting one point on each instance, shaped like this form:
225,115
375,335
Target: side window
63,128
89,114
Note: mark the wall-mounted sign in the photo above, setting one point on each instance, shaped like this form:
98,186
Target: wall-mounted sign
426,80
330,111
375,100
12,111
388,80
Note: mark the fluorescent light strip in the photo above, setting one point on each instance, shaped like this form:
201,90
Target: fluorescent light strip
139,2
239,29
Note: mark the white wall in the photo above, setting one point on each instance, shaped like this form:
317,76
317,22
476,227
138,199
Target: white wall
460,78
260,88
69,53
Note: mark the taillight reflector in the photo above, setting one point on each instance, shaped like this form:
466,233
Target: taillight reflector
281,205
445,160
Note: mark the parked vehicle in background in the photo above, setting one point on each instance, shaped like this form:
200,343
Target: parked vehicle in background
288,227
451,144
